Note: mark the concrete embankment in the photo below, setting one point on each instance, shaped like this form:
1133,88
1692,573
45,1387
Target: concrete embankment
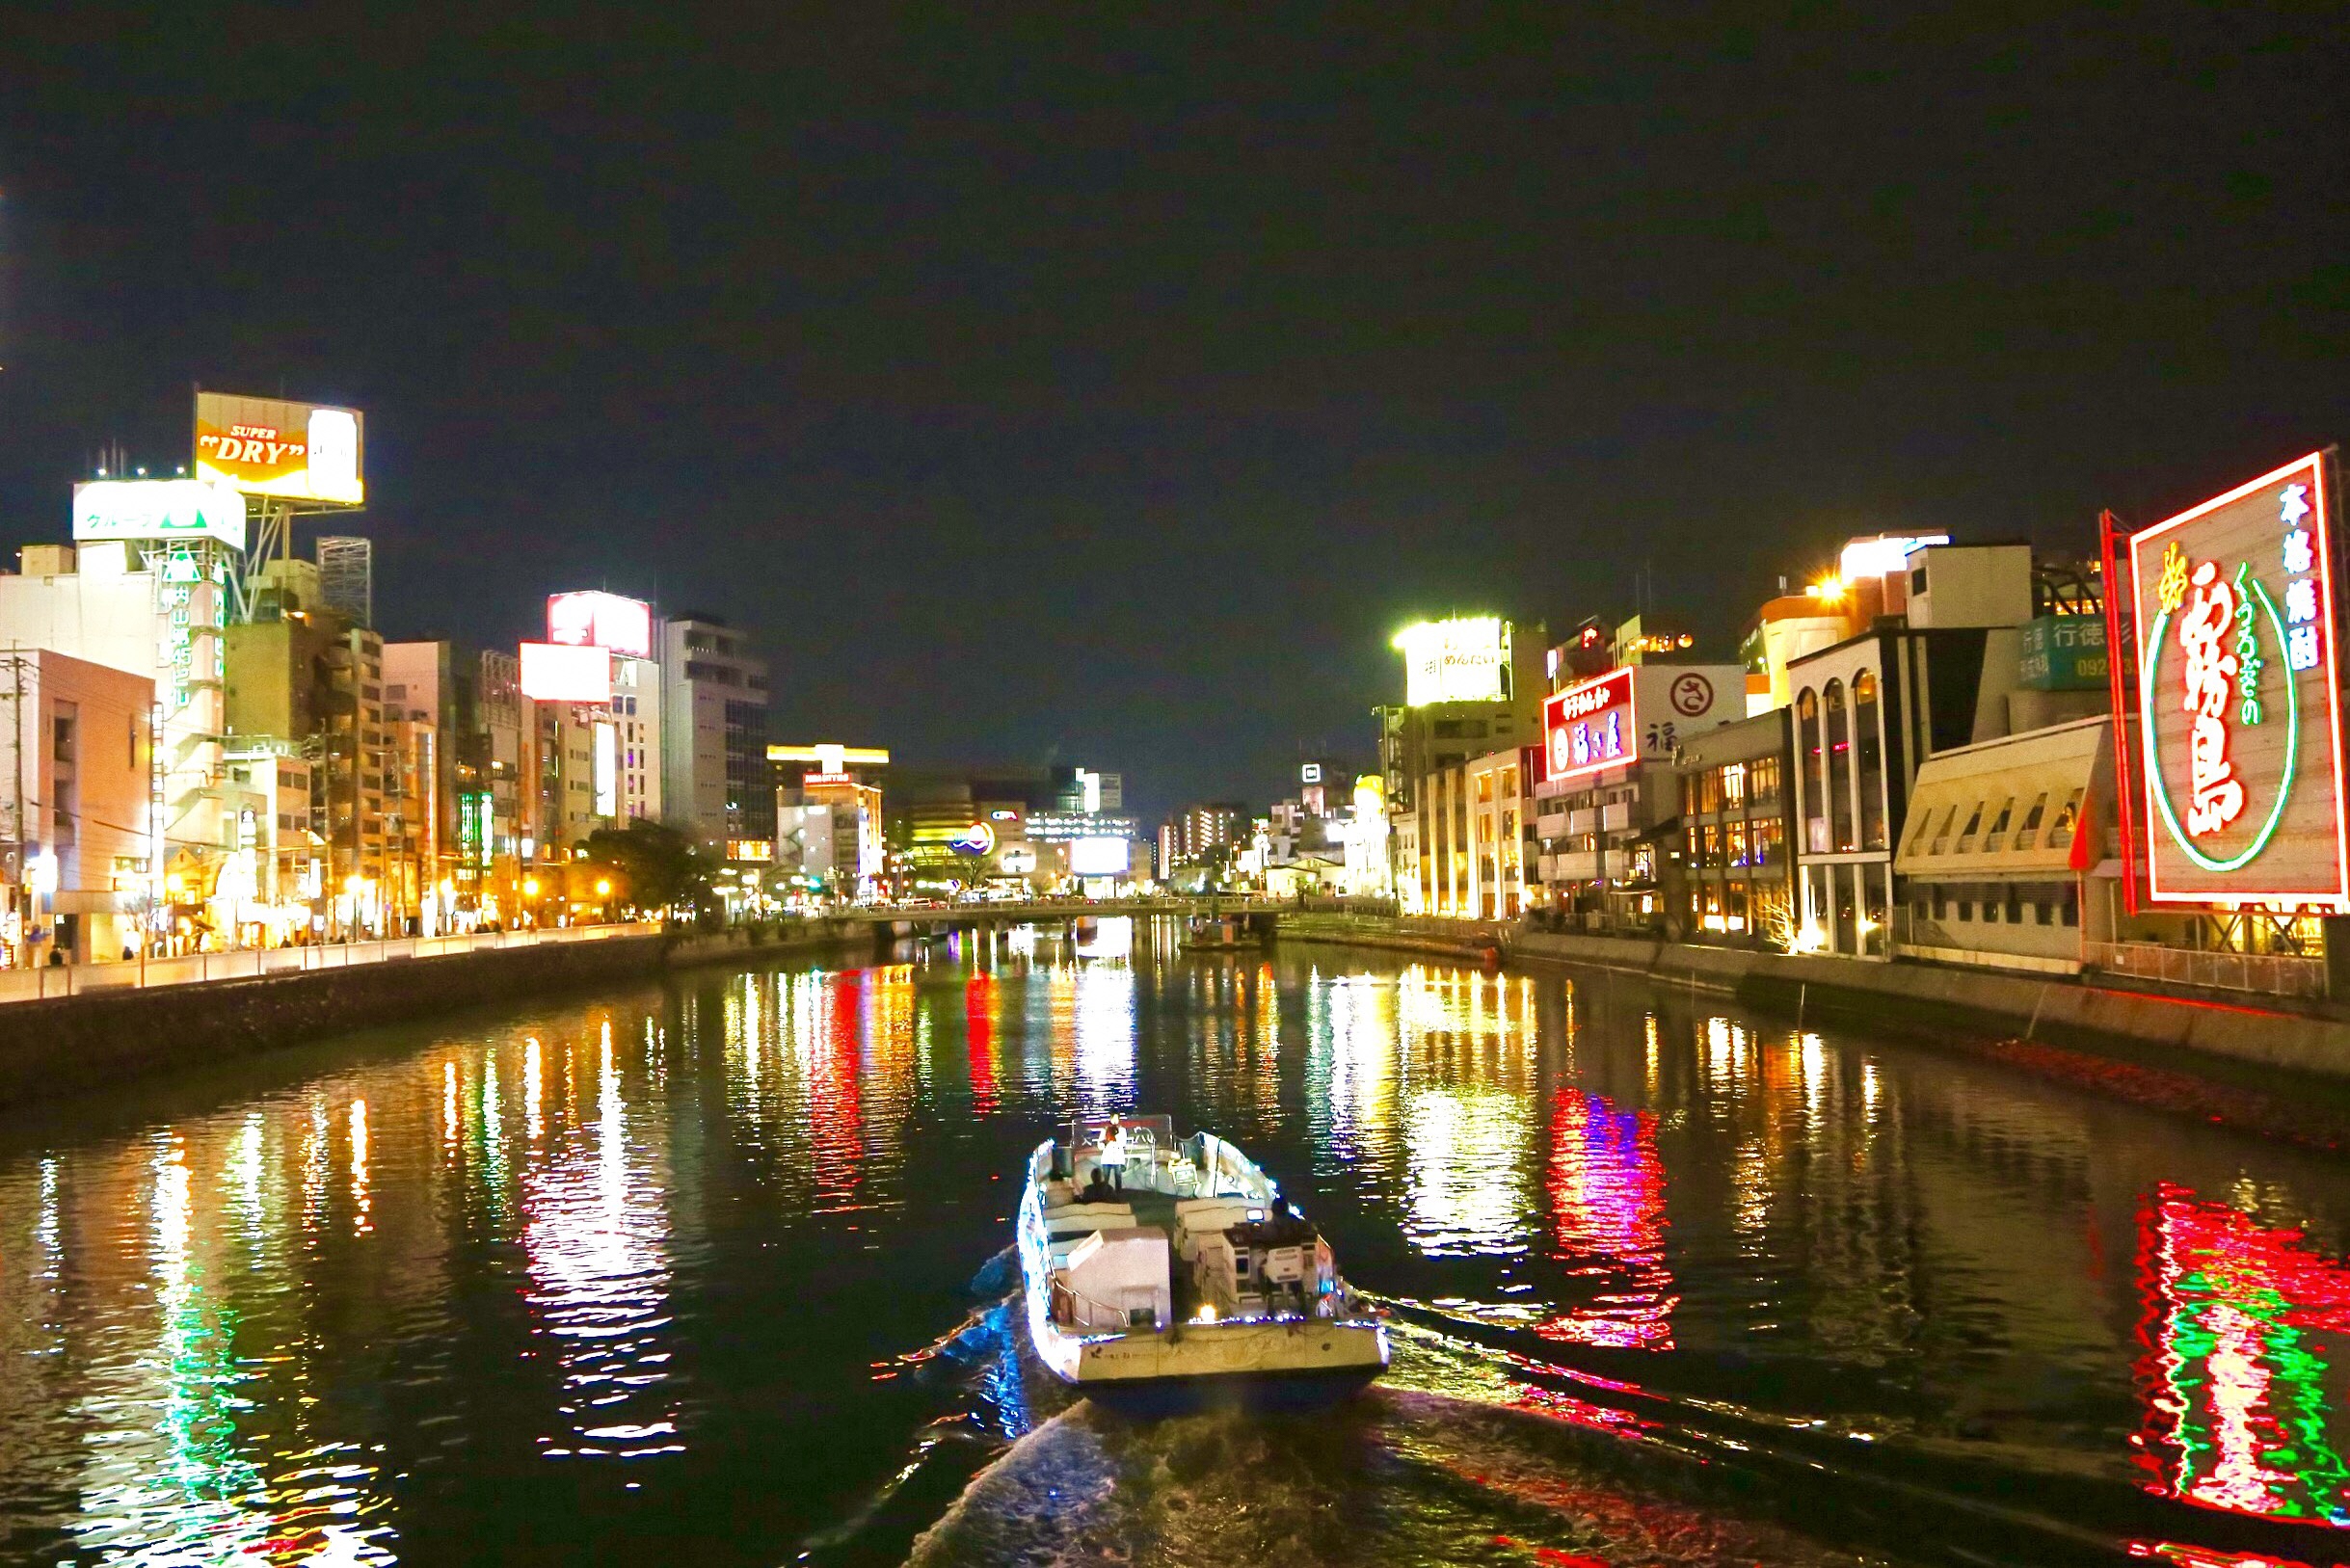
1914,998
73,1045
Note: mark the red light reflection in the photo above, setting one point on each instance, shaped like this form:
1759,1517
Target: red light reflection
1607,1203
979,1036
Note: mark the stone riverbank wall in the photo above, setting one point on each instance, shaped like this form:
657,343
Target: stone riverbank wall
73,1045
1917,998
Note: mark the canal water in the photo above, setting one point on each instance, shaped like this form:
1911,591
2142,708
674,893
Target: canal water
714,1273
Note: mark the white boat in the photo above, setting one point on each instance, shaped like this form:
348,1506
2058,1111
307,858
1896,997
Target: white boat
1196,1275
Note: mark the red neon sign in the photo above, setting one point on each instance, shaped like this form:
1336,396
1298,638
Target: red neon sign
1591,726
2235,692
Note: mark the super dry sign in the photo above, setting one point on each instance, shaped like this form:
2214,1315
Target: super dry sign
268,446
2237,696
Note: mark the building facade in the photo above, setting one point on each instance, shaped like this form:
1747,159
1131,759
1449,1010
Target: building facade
715,780
75,765
1737,822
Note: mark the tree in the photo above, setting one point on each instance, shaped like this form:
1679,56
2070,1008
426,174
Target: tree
657,868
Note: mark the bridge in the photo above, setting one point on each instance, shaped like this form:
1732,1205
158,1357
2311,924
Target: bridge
909,919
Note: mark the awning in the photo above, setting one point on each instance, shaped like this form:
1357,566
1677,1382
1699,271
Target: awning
2009,809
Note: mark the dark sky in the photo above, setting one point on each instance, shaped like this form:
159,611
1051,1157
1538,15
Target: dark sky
1111,392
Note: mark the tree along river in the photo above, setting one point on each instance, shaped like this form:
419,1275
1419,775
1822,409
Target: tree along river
714,1273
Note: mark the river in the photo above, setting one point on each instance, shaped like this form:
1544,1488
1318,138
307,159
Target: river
713,1272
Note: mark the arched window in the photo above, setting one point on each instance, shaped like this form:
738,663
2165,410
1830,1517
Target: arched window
1839,769
1868,752
1814,780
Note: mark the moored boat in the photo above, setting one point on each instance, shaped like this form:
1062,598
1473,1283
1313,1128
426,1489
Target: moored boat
1192,1276
1220,934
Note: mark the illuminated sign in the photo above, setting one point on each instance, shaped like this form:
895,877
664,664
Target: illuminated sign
1882,555
2063,652
607,770
1099,856
561,673
1591,726
820,781
1636,713
2237,702
1017,861
106,509
1310,773
1461,660
979,839
601,619
268,446
830,756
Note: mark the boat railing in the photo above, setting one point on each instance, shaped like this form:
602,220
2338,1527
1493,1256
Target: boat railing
1066,1296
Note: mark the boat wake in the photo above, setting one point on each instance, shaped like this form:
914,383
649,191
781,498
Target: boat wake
1476,1449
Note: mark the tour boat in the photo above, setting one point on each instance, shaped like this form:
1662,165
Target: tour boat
1194,1276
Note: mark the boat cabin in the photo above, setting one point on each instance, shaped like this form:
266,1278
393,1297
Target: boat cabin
1191,1231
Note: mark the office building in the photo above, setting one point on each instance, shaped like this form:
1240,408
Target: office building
715,780
1473,686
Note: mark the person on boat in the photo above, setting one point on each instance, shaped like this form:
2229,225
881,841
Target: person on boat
1097,1189
1113,1153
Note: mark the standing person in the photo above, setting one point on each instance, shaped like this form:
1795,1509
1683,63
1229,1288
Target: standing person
1113,1153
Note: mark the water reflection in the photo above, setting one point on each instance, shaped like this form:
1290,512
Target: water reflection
2248,1382
596,1242
582,1272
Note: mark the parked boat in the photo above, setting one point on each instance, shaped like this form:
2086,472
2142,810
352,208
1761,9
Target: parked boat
1220,934
1194,1276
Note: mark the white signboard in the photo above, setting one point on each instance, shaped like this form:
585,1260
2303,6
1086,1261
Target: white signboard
1463,660
189,509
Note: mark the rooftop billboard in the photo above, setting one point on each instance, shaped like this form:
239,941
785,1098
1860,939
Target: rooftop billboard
269,446
1465,659
596,619
2238,698
105,509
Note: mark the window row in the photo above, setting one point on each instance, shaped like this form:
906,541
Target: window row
2015,904
1980,828
1730,785
1840,749
1735,842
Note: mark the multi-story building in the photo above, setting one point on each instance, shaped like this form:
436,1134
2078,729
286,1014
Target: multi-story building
491,799
636,721
75,805
289,868
154,610
1610,797
1869,710
1472,687
432,712
1196,833
715,780
1475,840
1737,821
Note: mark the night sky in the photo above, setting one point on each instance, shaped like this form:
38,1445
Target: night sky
1109,395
